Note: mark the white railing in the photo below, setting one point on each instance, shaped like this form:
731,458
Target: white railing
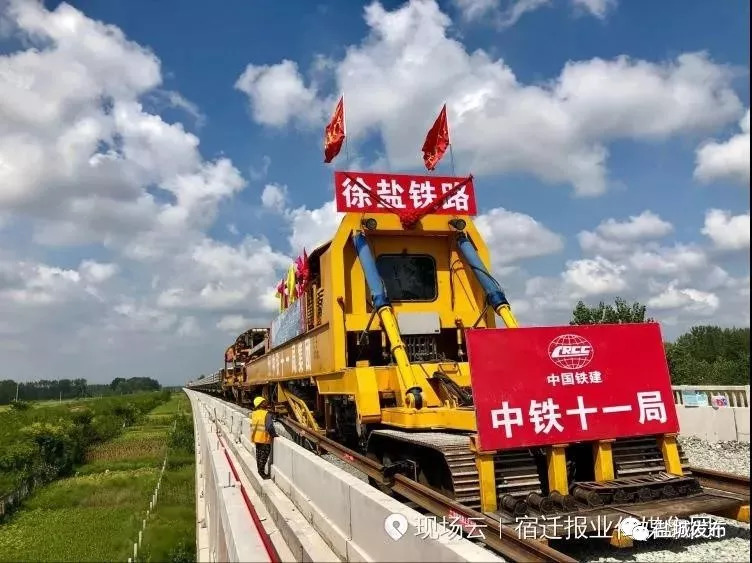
736,395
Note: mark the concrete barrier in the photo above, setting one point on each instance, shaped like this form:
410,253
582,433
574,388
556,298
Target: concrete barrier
714,425
736,395
346,512
225,529
725,423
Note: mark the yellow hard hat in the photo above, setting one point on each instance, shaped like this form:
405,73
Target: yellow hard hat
257,401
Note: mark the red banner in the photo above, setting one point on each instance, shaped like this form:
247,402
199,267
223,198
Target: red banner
390,193
559,385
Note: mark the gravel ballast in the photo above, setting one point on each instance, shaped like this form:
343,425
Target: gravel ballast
729,457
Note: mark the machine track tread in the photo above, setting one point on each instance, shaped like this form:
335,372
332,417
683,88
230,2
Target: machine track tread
516,471
634,457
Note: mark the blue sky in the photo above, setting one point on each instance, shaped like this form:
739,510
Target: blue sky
571,114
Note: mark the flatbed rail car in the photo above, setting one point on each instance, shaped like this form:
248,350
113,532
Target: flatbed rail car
373,355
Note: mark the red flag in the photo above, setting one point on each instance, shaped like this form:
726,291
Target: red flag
437,141
335,132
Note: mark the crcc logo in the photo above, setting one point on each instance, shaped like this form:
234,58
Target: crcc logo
570,351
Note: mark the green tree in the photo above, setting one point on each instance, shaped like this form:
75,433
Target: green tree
618,313
710,355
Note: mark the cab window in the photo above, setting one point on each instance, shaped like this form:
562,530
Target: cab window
408,277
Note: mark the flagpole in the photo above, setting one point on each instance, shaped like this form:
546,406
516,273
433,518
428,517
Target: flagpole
344,126
451,152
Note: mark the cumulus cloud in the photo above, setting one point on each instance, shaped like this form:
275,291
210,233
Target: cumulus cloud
224,278
558,131
30,283
726,160
646,225
598,276
278,93
613,237
83,162
727,231
78,152
678,281
689,299
668,260
312,227
516,236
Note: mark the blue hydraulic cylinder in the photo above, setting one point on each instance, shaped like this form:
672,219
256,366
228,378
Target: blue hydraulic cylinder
375,283
494,295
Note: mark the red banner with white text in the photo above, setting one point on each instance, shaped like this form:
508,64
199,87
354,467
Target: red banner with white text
559,385
376,192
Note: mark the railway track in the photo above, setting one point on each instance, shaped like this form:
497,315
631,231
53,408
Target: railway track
726,482
498,537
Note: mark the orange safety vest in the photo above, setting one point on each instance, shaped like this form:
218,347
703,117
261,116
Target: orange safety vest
259,435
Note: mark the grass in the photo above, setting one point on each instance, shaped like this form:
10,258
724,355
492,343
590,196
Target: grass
44,443
96,514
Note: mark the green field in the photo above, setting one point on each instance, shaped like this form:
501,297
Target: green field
96,514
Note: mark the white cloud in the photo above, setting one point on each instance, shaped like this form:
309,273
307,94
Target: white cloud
598,8
667,261
558,131
728,160
728,232
516,236
277,94
678,282
476,9
646,225
177,100
692,300
145,318
30,284
274,197
614,238
598,276
594,244
97,272
234,324
83,162
312,227
79,154
472,10
222,278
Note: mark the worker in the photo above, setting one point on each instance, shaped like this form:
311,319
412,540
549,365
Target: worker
262,434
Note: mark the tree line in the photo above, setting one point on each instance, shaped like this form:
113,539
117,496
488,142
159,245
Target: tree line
46,389
704,355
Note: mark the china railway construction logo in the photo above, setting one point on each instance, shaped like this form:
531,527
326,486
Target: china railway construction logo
570,351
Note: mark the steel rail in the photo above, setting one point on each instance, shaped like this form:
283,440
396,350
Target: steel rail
501,539
727,482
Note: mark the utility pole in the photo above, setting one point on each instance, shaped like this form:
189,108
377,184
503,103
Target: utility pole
17,384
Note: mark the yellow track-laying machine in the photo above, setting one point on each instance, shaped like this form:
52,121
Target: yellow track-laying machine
387,342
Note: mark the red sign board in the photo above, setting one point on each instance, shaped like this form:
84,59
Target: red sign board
358,191
558,385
